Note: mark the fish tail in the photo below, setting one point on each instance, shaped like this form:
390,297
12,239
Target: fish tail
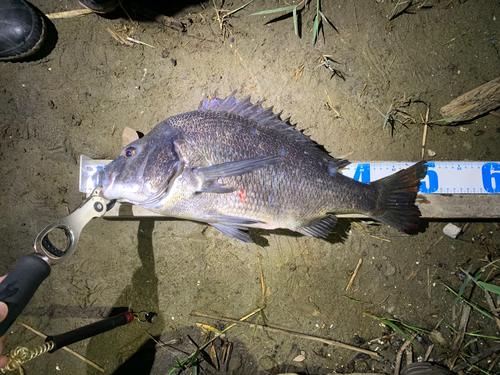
396,199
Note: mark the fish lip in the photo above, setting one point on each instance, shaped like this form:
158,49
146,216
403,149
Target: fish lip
107,181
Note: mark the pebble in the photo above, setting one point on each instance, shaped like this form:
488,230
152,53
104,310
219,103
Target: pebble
451,230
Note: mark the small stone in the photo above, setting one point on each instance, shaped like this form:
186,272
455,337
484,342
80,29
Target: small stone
452,230
437,338
431,153
299,358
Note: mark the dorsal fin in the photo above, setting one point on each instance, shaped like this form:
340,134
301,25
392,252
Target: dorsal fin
264,117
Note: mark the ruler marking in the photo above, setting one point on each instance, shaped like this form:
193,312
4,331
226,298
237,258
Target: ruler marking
442,177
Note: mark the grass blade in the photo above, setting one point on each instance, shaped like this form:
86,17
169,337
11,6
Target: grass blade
315,29
240,8
465,283
295,21
284,9
469,303
452,118
395,325
489,287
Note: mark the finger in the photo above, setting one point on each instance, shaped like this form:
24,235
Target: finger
2,277
3,361
4,310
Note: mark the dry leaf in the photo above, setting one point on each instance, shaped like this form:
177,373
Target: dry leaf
129,135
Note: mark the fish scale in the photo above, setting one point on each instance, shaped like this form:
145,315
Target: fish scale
236,165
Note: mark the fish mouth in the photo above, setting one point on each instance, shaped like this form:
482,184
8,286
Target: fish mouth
111,189
107,182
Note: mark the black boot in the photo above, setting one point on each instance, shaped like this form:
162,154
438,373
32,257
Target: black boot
425,368
101,6
22,30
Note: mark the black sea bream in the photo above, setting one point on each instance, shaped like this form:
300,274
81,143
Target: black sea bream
235,165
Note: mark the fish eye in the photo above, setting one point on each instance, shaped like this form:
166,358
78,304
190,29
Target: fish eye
129,152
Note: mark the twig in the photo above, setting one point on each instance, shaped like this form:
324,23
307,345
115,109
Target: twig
493,308
493,362
354,274
337,114
460,335
262,284
428,352
139,42
69,14
449,41
65,348
289,332
432,244
363,89
429,290
409,355
382,338
400,354
118,38
426,125
355,16
392,62
478,357
412,274
299,71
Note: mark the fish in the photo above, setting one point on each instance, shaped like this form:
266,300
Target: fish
237,165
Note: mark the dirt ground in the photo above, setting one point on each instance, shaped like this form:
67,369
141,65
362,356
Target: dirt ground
80,96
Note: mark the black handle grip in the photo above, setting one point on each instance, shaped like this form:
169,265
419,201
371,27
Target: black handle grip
90,330
20,285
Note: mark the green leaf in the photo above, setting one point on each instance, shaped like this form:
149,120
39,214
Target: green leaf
469,303
489,287
284,9
315,28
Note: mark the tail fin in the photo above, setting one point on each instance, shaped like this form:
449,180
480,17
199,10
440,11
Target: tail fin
397,193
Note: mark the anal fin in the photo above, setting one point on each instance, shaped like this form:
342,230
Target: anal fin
320,227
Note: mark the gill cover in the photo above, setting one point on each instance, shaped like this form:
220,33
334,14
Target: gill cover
145,169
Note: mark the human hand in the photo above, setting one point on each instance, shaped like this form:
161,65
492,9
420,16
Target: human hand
3,314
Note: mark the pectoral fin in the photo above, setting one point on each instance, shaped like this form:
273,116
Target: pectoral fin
236,168
211,186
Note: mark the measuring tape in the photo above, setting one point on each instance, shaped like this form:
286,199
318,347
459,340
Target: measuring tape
443,177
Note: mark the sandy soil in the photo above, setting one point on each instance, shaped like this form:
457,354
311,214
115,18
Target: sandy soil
79,98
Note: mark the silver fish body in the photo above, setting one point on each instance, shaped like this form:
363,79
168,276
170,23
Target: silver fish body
235,165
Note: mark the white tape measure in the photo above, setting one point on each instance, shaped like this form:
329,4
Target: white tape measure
443,177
